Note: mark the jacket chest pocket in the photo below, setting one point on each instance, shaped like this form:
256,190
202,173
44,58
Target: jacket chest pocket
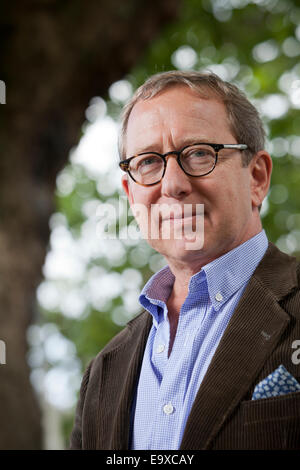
272,423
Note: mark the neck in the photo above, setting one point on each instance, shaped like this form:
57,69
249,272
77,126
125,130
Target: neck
182,274
184,269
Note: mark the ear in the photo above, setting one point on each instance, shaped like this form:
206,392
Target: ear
126,186
260,168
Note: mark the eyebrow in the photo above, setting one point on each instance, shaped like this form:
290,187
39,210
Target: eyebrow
184,143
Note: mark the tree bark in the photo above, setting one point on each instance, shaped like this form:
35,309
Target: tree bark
55,57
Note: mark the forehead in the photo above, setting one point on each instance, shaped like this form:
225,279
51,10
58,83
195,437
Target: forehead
176,114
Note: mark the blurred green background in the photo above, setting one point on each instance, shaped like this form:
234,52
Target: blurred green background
91,283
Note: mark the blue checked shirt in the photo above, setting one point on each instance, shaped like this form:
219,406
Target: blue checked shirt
167,387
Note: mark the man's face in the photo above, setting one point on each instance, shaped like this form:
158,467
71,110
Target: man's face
169,121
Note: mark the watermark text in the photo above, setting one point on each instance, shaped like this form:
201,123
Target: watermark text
2,352
154,222
2,92
296,354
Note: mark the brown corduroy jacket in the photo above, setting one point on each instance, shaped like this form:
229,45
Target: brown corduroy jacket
261,335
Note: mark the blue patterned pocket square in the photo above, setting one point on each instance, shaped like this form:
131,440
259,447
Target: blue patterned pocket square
280,382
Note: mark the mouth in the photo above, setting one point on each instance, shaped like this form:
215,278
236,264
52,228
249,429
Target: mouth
183,216
162,213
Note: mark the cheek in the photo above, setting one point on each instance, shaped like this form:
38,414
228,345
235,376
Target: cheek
141,201
143,195
239,201
229,198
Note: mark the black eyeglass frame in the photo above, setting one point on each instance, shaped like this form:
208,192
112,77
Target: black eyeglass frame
124,164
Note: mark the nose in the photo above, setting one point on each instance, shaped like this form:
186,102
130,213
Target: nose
175,182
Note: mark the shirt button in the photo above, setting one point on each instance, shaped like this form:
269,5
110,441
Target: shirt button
160,348
219,297
168,409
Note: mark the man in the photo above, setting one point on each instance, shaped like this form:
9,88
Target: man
224,314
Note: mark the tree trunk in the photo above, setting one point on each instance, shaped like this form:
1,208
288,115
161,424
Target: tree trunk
55,56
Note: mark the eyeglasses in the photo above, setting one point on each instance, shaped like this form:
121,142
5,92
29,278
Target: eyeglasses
148,168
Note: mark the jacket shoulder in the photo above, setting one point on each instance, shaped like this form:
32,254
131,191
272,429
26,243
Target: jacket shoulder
285,271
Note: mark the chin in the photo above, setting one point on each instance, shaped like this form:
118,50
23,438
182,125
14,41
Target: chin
180,250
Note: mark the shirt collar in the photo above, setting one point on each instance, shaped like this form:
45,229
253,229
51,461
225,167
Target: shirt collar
228,273
224,276
156,293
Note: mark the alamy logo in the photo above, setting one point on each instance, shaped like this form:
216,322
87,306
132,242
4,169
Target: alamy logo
296,354
2,92
156,222
2,352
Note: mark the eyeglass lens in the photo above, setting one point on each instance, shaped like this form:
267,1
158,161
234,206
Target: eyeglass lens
196,160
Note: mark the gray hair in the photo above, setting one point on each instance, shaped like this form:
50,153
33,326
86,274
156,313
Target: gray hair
244,120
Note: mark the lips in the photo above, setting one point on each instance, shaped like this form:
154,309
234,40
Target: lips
163,212
182,215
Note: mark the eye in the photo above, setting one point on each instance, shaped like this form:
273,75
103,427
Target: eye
146,163
198,152
198,159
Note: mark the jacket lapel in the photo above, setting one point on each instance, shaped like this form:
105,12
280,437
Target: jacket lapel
253,332
120,370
